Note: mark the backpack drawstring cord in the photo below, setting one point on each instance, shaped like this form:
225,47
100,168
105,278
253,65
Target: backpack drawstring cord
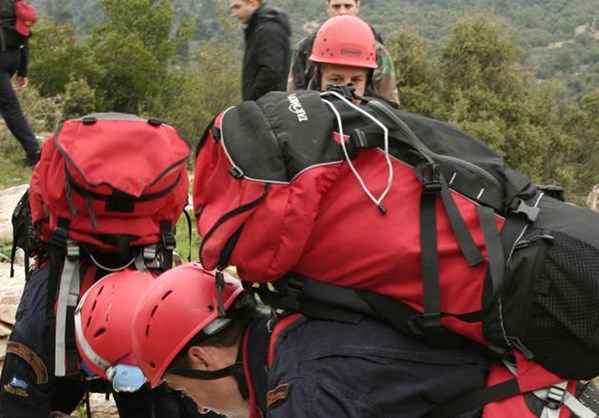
376,201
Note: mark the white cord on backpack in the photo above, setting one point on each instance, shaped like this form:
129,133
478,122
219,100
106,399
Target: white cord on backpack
376,201
111,269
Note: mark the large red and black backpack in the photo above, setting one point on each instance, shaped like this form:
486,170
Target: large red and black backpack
105,195
344,208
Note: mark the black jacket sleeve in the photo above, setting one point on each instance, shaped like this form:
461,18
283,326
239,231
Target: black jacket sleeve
272,60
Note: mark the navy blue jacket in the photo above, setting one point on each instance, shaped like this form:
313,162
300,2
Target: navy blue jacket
326,369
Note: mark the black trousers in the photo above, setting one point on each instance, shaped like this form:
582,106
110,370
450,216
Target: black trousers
9,104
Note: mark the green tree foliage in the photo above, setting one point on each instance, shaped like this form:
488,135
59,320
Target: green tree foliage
139,60
191,97
135,47
476,82
129,73
417,75
57,58
581,123
481,54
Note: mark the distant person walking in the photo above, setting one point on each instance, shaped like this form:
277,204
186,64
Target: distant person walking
303,70
267,47
16,19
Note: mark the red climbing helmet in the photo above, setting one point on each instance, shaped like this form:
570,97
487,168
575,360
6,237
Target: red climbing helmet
345,40
182,302
103,327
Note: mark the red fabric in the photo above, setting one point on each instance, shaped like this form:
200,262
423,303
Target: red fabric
123,156
323,225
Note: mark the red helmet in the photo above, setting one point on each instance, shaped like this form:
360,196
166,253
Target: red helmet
103,320
345,40
182,302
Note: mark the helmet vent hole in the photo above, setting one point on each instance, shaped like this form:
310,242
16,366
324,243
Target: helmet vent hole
154,309
210,308
89,321
100,332
166,295
147,330
152,365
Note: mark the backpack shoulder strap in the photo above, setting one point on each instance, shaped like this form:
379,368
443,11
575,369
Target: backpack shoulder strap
476,398
280,325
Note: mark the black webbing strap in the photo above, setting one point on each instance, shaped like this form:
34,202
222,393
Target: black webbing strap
314,299
469,249
71,352
168,243
475,399
57,250
359,139
203,374
429,257
408,322
188,218
494,248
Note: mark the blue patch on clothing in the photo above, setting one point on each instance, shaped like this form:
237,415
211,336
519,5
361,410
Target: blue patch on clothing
19,383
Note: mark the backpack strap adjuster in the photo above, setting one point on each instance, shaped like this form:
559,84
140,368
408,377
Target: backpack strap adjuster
59,238
531,212
294,288
555,397
430,177
72,250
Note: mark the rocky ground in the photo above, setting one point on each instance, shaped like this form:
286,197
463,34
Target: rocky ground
10,294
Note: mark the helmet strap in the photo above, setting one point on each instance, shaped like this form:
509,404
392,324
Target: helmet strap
235,370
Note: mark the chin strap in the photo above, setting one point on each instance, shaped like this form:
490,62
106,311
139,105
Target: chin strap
235,370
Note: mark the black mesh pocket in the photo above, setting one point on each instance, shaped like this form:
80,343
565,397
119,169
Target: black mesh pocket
560,327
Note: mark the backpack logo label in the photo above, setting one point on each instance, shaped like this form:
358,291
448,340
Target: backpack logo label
296,107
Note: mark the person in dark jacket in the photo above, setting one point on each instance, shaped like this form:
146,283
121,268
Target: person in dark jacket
267,47
246,363
16,20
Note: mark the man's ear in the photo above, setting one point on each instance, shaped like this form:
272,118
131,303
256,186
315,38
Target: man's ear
201,358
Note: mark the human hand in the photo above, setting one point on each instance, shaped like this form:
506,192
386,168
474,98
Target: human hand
21,82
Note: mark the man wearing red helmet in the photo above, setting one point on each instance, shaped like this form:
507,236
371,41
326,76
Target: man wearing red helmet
344,52
103,337
302,73
213,344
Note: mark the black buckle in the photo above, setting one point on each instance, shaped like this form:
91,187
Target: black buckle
357,140
59,238
430,177
347,90
420,323
215,133
236,172
555,397
292,290
169,241
530,212
431,320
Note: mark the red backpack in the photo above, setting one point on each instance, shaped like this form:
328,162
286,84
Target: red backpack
342,208
106,194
